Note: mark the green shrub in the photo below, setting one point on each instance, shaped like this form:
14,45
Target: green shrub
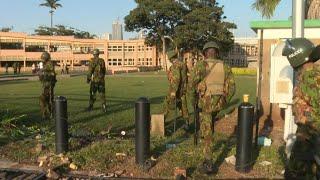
11,128
244,71
149,68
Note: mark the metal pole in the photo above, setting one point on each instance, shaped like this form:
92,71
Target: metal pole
298,16
61,116
258,90
142,130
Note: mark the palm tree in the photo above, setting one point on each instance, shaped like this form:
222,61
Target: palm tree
267,8
53,5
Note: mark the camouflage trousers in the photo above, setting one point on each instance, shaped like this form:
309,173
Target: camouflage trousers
94,88
171,103
301,163
210,106
46,101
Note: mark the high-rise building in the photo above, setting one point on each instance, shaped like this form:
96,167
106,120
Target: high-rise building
117,32
106,36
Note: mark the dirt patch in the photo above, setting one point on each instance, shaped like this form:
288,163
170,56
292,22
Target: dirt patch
270,128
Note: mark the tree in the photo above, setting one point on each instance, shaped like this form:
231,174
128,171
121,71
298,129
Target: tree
6,29
267,8
157,18
53,5
203,22
190,23
61,30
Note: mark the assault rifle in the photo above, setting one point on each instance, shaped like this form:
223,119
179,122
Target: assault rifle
196,118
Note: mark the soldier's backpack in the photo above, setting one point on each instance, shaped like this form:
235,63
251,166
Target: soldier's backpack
215,78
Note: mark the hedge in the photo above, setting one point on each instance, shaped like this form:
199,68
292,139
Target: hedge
244,71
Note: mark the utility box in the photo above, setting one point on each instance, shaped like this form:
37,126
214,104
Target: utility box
281,76
281,90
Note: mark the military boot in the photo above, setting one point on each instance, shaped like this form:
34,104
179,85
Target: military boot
104,107
206,167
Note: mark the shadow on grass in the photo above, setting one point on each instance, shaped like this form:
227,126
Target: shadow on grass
125,105
117,106
161,148
227,145
283,155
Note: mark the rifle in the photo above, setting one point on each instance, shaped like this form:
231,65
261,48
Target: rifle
257,117
176,115
51,100
196,119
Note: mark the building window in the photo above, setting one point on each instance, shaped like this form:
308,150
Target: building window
119,62
11,45
114,62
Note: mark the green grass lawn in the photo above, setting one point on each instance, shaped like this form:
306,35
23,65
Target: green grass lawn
21,98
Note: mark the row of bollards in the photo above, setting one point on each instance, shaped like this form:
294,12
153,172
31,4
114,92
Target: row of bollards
142,131
142,128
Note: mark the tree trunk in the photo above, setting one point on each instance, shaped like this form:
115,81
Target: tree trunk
164,52
314,10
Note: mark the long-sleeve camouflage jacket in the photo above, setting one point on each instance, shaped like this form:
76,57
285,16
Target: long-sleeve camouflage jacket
177,77
47,75
306,96
199,73
97,70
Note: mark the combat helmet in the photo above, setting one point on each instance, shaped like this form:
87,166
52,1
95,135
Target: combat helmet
298,51
171,54
45,56
210,44
96,52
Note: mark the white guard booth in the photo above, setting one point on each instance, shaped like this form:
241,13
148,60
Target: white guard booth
281,90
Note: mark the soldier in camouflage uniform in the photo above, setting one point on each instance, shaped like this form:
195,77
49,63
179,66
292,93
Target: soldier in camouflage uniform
177,76
96,74
212,95
306,109
15,67
190,88
48,79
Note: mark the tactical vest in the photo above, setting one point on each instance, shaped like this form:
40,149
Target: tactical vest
215,78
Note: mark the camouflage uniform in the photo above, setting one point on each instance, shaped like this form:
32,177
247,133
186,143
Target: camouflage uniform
302,54
190,89
210,104
177,77
48,79
96,74
15,67
306,109
6,66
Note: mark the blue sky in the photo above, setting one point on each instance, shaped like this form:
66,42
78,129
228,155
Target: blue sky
96,16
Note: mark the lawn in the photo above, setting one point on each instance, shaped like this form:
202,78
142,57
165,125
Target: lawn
90,147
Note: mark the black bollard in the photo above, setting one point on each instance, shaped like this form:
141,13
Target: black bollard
142,130
244,136
61,124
